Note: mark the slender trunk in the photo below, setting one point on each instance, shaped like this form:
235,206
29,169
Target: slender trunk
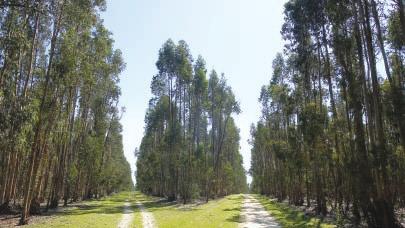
32,56
35,149
397,95
401,10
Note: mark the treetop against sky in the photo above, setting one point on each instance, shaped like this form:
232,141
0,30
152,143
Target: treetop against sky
239,38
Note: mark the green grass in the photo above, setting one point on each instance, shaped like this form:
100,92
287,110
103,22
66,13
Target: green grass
137,219
288,217
223,212
106,212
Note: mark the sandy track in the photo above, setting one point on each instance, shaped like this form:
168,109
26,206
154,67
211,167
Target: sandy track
147,217
254,215
127,217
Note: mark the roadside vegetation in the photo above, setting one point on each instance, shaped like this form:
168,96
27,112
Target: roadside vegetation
105,212
332,131
190,147
224,212
331,135
286,216
60,131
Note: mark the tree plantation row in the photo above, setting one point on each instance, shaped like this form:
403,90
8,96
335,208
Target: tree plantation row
191,144
60,136
332,131
331,137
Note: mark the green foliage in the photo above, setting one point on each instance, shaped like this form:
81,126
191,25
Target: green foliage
190,147
59,118
331,135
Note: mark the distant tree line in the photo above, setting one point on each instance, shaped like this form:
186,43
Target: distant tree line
60,136
190,148
332,132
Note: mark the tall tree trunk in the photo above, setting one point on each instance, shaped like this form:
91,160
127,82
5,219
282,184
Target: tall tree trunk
401,10
36,146
397,95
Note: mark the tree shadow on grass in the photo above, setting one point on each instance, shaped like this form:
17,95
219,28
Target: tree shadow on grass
236,198
290,217
152,206
187,208
235,219
233,209
93,209
95,206
102,206
157,205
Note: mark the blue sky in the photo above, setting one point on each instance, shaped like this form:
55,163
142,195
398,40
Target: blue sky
237,37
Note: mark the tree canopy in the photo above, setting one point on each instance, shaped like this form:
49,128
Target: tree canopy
190,146
60,136
332,129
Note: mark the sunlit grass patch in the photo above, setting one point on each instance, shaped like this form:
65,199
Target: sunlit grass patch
223,212
106,212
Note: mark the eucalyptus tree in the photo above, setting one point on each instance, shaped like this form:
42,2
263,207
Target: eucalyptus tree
59,91
191,145
343,116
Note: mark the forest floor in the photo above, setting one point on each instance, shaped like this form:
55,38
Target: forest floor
224,212
287,216
133,209
113,211
116,211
